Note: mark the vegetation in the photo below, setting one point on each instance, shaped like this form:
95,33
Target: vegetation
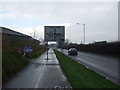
12,54
18,41
12,62
81,77
103,47
36,53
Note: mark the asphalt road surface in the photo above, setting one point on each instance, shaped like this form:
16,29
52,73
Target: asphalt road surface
104,65
40,74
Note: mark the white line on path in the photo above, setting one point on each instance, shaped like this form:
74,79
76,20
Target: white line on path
40,75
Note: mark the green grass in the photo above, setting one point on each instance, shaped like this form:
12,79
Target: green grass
81,77
11,64
35,54
38,53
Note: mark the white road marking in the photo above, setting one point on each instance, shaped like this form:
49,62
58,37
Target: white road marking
40,75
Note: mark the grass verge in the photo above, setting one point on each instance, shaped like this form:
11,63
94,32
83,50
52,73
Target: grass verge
12,63
81,77
36,53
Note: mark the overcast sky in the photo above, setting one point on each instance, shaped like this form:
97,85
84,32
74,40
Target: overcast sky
100,18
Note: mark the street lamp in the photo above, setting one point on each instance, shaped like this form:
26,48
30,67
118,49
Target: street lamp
83,31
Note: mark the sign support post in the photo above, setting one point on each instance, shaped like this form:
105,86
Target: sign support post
47,51
47,58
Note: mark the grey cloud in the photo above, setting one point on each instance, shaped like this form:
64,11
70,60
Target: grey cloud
98,17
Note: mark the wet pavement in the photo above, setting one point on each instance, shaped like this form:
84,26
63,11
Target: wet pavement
40,73
107,66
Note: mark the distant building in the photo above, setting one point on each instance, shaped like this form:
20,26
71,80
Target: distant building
6,31
11,38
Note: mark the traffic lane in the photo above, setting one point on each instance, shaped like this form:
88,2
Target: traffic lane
94,57
104,59
104,65
111,75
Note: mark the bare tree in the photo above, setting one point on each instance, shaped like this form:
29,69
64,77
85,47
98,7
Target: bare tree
34,35
42,41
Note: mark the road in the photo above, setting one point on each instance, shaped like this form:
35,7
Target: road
104,65
40,73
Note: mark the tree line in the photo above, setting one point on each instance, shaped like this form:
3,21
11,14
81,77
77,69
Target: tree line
102,47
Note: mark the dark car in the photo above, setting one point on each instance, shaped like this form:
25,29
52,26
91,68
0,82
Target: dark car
72,51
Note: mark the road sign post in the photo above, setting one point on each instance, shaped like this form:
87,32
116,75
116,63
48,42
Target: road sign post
47,52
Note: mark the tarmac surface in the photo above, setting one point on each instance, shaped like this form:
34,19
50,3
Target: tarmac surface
40,73
107,66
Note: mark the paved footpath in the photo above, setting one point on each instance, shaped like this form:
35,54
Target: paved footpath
40,73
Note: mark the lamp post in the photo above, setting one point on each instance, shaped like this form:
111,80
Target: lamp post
83,31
